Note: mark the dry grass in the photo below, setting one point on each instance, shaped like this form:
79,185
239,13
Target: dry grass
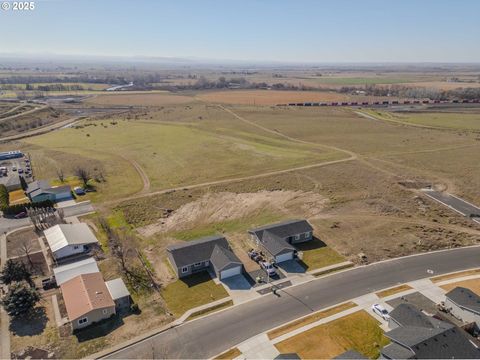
358,331
210,310
17,197
473,284
440,278
297,324
391,291
229,354
269,97
140,99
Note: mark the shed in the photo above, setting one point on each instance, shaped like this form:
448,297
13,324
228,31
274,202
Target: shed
119,293
69,239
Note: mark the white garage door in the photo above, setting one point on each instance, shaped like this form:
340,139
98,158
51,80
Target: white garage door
230,272
284,257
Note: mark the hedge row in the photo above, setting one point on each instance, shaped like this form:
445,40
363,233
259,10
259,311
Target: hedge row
4,200
18,208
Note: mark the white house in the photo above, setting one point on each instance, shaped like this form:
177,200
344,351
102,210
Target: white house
69,239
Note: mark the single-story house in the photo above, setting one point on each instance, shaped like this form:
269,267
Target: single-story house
66,272
119,293
279,239
418,336
40,190
87,300
464,304
69,239
212,252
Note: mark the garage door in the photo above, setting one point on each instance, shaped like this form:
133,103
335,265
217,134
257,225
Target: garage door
230,272
284,257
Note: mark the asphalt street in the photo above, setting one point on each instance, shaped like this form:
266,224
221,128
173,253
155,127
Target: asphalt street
455,203
209,336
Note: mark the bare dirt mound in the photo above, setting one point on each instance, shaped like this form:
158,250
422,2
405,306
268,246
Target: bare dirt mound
216,207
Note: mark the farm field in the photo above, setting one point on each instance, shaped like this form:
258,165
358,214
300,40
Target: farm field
151,98
268,97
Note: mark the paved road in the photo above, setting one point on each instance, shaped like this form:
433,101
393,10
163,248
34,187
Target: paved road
214,334
455,203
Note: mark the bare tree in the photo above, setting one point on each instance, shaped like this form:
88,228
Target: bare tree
83,174
26,248
60,175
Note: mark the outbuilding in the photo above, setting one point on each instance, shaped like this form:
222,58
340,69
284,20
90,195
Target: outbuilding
119,293
38,191
69,271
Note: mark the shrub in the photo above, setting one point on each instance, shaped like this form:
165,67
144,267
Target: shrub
4,200
18,208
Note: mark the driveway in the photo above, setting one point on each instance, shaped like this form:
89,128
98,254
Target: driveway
291,267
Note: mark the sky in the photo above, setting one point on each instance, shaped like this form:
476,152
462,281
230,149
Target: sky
262,30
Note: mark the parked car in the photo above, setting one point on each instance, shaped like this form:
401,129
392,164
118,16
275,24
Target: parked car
49,283
380,311
79,190
21,215
14,168
20,171
255,255
268,267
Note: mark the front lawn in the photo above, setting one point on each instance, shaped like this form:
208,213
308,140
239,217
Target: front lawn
358,331
317,255
192,291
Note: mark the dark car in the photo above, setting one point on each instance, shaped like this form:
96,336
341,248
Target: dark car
21,215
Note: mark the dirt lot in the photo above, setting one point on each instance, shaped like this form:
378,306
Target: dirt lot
269,97
140,99
19,240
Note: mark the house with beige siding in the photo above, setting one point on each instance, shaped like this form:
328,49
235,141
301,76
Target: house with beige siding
87,300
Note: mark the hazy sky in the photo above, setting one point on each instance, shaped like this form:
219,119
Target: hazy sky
282,30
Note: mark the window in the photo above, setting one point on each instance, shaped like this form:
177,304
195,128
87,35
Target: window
207,263
184,269
82,321
296,237
105,311
308,234
197,264
76,247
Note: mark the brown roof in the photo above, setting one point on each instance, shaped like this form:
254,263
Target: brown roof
85,293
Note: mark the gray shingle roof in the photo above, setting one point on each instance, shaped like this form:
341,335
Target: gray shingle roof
38,187
465,298
427,337
222,258
283,229
350,355
195,251
276,245
409,315
395,351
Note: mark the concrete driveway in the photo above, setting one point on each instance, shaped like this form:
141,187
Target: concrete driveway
240,288
237,282
291,267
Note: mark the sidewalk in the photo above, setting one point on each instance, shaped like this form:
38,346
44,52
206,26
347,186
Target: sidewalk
190,312
4,319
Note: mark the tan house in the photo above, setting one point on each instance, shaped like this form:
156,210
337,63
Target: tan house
87,300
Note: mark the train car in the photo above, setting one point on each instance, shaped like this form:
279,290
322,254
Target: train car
416,101
425,102
395,102
323,104
365,103
334,103
385,102
406,102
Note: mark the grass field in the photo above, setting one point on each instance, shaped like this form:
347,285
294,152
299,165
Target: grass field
169,154
456,121
358,331
268,97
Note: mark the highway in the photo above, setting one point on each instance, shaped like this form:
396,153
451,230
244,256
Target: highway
209,336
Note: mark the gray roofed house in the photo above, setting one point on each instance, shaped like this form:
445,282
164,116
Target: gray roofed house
464,304
41,190
350,355
279,239
416,335
211,252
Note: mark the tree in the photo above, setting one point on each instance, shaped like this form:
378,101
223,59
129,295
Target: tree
60,175
84,175
23,183
20,299
26,248
15,271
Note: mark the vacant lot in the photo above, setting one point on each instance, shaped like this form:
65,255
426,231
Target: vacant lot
358,331
447,120
168,154
269,97
139,99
